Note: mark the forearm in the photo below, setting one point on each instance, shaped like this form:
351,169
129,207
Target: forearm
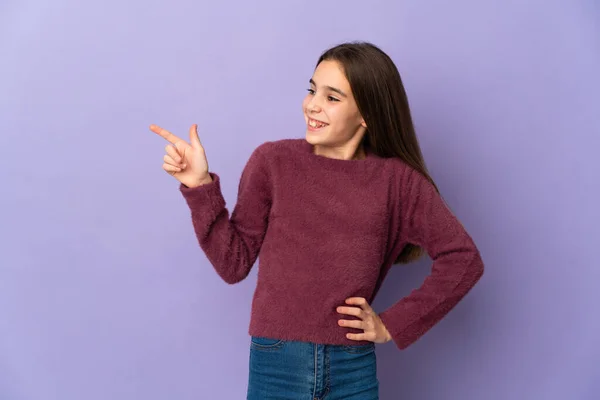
231,250
452,277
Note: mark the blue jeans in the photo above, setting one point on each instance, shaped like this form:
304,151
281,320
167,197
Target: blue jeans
290,370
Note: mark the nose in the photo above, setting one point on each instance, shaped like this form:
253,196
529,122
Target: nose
312,106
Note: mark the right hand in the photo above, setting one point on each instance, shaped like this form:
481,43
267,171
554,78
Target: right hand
185,161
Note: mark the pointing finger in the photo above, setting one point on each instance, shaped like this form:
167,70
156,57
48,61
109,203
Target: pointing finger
165,134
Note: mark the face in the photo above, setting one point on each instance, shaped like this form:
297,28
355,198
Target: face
334,124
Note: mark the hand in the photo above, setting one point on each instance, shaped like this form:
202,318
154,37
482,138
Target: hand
374,330
185,161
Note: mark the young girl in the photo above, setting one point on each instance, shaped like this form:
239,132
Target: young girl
328,215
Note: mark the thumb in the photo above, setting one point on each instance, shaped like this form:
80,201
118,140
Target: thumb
194,138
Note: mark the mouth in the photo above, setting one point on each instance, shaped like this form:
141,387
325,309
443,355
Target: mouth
314,124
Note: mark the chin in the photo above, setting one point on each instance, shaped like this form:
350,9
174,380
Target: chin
314,139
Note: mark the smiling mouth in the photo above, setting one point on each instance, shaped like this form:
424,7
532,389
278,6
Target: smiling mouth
316,124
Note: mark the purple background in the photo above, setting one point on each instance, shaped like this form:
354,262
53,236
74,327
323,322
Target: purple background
104,293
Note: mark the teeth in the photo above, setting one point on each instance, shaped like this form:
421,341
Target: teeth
316,124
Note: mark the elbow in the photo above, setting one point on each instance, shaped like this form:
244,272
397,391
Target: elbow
475,269
233,279
231,270
472,273
235,275
479,266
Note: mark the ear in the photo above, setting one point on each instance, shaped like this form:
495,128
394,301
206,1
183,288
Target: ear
363,123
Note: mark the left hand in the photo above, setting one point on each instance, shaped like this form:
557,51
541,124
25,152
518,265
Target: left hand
374,330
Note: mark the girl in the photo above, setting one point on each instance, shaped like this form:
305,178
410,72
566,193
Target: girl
328,215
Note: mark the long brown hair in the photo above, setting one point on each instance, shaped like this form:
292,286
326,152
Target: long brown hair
382,102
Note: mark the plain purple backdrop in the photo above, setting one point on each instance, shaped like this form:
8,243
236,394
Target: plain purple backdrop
104,292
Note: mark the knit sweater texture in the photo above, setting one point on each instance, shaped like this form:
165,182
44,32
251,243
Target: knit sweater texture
324,230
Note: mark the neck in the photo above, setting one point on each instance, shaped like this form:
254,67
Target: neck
351,150
343,153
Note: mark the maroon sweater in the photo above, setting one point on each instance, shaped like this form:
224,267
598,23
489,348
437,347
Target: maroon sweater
324,230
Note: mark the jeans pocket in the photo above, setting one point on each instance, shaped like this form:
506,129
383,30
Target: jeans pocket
263,343
359,348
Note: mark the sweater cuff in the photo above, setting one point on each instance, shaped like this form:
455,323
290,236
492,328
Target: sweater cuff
401,341
205,200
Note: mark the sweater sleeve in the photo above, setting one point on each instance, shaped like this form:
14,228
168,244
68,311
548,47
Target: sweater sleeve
426,221
232,244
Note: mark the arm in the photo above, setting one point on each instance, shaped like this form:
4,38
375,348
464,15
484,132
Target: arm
426,221
232,244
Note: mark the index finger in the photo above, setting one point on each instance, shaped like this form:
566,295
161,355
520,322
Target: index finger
165,134
359,301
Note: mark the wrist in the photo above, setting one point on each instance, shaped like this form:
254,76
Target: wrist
199,183
206,180
388,336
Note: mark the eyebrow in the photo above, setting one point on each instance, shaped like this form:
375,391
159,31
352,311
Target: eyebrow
330,88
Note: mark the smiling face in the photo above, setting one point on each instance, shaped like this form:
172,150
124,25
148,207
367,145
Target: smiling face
334,124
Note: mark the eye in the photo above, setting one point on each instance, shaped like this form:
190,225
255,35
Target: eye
310,91
331,98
